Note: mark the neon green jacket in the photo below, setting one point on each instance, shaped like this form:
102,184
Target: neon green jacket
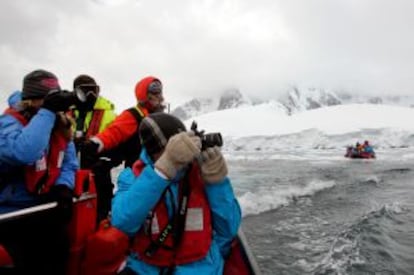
108,114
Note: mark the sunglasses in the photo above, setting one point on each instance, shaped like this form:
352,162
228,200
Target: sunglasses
155,87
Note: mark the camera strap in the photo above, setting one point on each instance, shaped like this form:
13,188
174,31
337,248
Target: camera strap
80,122
176,224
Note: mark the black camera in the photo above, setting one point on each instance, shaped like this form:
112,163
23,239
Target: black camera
75,97
207,140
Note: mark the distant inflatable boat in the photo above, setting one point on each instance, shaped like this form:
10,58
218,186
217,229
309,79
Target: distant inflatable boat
359,155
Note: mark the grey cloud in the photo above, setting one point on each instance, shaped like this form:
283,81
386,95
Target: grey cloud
202,47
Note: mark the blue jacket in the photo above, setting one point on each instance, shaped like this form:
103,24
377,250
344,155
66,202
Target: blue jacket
136,196
368,149
23,145
14,99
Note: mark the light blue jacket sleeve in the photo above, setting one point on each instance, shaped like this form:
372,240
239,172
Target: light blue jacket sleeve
130,207
24,145
125,180
14,99
69,166
226,213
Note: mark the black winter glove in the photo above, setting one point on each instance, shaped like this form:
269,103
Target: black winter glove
79,142
57,101
89,154
64,197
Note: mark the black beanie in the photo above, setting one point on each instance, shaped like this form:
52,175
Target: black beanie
38,84
82,80
156,129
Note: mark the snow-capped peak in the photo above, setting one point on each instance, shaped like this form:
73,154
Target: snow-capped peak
301,99
231,98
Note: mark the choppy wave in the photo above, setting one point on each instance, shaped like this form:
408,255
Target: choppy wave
398,170
365,246
370,179
255,202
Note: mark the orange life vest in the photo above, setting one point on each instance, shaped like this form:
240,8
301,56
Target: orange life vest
154,242
42,175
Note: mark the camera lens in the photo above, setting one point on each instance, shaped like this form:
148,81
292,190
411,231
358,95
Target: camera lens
211,140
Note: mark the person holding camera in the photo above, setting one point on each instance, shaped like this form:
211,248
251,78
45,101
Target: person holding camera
91,117
176,203
121,137
37,165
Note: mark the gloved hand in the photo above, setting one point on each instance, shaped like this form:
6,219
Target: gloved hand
79,141
89,154
213,166
64,197
180,150
57,101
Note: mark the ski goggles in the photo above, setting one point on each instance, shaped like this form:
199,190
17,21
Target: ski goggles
155,87
89,89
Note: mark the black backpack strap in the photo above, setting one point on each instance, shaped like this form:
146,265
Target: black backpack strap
129,150
137,113
80,121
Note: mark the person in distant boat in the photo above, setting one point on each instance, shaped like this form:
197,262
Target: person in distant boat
176,203
358,147
37,165
122,135
92,117
367,148
349,151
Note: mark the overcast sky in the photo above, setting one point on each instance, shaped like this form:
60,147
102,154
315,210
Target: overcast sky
199,48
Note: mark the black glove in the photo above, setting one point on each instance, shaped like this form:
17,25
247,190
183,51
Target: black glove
64,197
57,101
79,142
89,154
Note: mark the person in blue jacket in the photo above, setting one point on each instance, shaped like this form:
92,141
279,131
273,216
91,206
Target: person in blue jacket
37,165
176,203
367,148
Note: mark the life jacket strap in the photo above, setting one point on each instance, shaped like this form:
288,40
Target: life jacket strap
176,224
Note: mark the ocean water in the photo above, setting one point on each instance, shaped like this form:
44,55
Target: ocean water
316,212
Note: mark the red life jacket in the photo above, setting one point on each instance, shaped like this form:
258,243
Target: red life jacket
42,175
95,123
16,115
197,233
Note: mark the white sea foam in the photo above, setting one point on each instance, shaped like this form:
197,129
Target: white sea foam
255,202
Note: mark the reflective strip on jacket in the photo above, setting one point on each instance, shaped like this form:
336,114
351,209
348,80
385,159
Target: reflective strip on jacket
137,196
24,145
197,232
104,106
42,175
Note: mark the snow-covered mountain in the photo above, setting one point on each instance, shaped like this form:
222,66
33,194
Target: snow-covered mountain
396,100
294,100
267,128
298,100
231,98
